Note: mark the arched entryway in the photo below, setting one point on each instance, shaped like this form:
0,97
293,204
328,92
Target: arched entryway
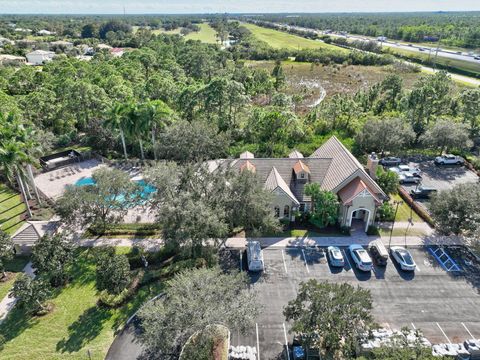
360,216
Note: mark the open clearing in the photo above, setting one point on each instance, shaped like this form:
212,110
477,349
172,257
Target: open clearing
11,210
281,40
302,78
207,34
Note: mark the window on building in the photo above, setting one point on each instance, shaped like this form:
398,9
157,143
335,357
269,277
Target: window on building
302,175
277,211
302,207
286,211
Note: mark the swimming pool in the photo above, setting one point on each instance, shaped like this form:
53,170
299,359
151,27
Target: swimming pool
145,191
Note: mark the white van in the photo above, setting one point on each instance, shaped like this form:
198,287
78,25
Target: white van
254,256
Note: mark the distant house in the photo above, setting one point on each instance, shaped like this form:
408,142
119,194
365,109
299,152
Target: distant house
4,41
23,30
67,45
39,57
12,60
332,166
103,47
45,33
117,52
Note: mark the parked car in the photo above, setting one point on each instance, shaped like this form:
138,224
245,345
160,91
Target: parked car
422,192
255,256
335,256
360,257
379,252
407,178
411,170
477,57
403,258
390,161
449,159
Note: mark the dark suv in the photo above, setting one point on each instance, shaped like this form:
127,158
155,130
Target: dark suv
422,192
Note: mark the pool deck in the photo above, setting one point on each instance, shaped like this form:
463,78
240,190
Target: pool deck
54,183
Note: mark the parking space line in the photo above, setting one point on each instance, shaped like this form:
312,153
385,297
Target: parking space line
469,333
241,265
305,259
443,332
346,258
258,345
284,262
286,341
413,326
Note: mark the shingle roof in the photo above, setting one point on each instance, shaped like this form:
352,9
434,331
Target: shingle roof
300,166
343,166
355,187
248,166
274,181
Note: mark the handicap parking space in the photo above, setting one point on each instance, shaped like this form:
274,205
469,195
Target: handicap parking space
442,304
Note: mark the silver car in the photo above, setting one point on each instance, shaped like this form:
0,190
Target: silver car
407,178
335,256
403,258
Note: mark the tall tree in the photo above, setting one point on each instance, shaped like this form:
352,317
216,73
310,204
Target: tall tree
193,300
113,273
117,119
31,294
446,134
330,317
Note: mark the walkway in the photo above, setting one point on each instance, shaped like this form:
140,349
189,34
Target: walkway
8,302
153,244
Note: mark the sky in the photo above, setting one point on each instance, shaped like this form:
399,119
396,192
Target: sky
231,6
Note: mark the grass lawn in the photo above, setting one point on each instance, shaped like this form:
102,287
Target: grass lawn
405,212
282,40
15,266
401,232
207,34
75,325
11,210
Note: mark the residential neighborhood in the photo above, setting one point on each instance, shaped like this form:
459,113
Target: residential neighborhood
253,181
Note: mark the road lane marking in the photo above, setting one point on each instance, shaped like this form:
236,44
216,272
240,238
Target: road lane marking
286,341
469,333
305,259
258,346
443,332
413,326
284,262
346,258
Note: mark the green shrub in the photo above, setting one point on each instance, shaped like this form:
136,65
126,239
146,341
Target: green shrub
386,212
372,230
114,300
345,230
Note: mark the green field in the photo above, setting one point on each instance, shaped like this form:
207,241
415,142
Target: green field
207,34
76,324
11,210
282,40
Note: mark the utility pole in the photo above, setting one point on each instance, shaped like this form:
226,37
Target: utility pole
397,203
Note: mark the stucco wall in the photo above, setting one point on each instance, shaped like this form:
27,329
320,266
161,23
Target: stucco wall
281,199
360,203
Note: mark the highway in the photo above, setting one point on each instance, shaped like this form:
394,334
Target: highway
470,57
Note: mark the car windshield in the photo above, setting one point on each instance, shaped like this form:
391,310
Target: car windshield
336,254
363,256
407,258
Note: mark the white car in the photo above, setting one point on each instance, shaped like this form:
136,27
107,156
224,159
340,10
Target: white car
335,256
449,159
410,170
360,257
407,178
403,258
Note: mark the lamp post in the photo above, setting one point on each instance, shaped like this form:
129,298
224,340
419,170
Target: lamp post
396,203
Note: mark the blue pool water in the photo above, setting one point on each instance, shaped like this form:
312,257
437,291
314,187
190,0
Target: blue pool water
146,190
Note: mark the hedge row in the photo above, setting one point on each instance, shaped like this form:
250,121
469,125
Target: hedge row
417,208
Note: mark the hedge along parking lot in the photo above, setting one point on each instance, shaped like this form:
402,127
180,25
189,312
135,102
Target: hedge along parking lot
444,305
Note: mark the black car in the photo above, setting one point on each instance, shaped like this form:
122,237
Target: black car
422,192
390,161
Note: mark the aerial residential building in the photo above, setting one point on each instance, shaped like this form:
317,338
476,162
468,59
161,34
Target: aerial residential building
12,60
39,57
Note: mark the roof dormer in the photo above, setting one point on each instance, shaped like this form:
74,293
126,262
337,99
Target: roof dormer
247,155
301,170
247,165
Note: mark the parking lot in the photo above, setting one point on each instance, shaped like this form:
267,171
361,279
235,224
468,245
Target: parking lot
441,177
445,305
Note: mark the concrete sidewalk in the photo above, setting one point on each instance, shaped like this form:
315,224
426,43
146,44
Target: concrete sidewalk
8,302
282,242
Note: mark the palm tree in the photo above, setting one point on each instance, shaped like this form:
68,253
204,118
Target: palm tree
118,120
157,114
137,125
